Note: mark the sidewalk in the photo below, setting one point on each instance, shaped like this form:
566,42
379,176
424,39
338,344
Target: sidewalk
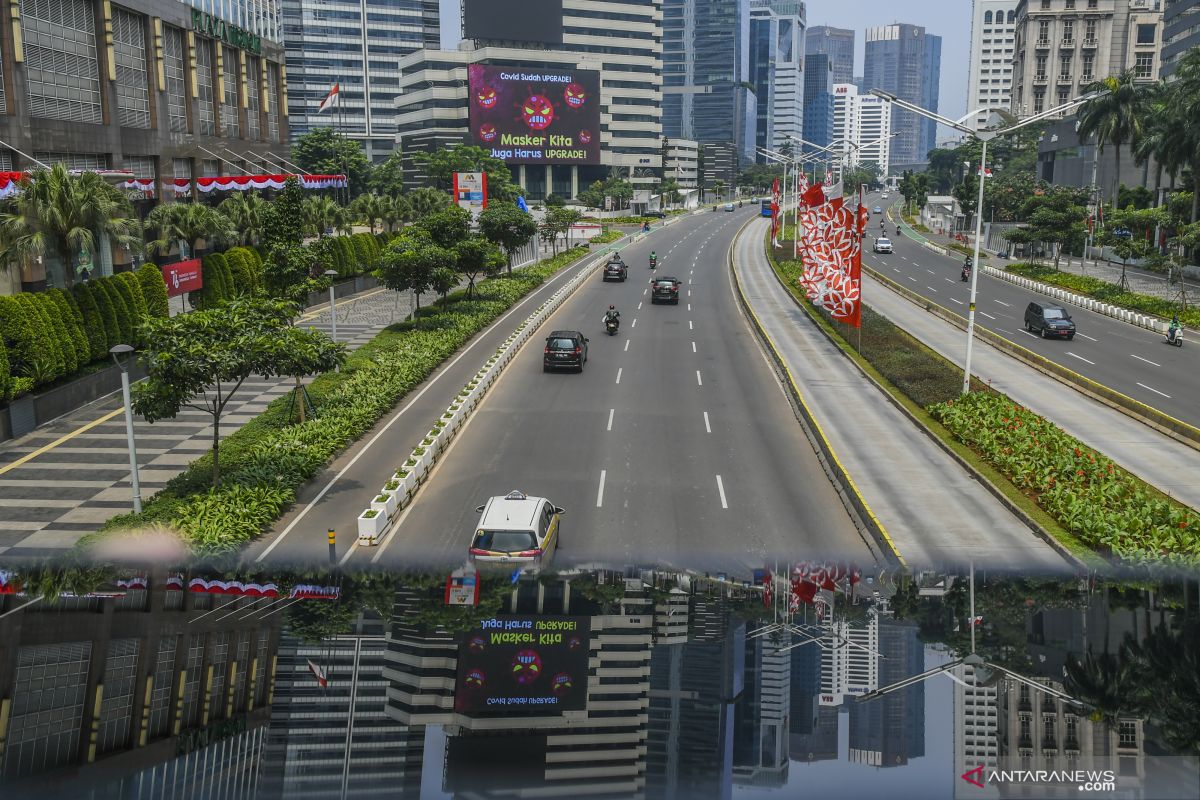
1157,459
934,511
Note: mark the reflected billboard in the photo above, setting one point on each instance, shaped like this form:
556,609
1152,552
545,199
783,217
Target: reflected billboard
531,115
523,666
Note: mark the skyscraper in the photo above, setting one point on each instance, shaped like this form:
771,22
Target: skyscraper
890,730
1181,32
776,69
906,61
862,126
838,44
989,82
818,100
358,48
706,62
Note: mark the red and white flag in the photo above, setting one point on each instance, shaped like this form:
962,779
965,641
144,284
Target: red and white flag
318,673
985,172
331,99
775,212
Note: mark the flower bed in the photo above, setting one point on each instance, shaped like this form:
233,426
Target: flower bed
1106,292
1087,493
268,459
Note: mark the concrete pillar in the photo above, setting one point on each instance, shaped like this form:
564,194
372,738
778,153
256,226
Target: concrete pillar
574,181
549,179
521,178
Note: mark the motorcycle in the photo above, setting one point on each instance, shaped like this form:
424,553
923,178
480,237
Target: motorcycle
653,263
966,273
645,227
611,326
1175,338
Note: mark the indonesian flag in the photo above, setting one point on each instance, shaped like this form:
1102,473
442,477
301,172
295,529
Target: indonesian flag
775,212
318,673
985,172
802,182
331,99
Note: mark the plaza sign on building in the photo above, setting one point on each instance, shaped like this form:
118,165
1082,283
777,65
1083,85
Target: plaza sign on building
216,28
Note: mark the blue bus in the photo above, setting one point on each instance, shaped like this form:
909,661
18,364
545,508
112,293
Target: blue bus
766,207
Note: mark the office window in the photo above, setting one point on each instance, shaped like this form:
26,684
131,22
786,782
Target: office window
1064,64
1127,734
204,87
1039,102
1044,30
1040,67
141,167
987,18
60,59
78,161
1045,5
1146,33
1143,65
272,102
230,123
1063,95
164,678
253,105
1068,31
47,707
1070,5
1089,63
1093,4
191,681
173,70
1089,31
133,82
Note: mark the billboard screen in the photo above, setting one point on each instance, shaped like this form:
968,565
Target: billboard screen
536,116
514,20
512,666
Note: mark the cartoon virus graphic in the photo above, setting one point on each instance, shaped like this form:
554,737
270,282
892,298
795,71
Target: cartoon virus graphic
487,132
561,684
585,136
474,679
526,667
486,97
575,95
574,643
477,644
538,112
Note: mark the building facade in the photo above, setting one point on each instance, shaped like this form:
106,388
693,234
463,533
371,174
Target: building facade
1181,32
777,70
862,128
818,100
357,46
905,61
993,30
838,44
1062,46
705,72
682,163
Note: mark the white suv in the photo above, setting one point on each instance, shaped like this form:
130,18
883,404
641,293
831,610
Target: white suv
516,529
883,245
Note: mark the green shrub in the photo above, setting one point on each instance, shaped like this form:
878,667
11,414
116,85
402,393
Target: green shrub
231,288
5,375
57,326
108,314
242,282
131,303
17,333
140,310
120,311
362,253
74,324
371,248
212,288
49,356
352,265
154,290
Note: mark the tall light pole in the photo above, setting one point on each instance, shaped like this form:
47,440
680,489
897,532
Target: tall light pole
984,136
331,274
117,351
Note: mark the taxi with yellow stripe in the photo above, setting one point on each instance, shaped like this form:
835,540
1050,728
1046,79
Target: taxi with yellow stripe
516,529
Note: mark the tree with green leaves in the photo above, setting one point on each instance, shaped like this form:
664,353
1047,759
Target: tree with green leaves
425,201
64,215
557,223
554,201
321,215
475,256
370,209
387,179
1054,216
1116,117
508,227
322,151
244,210
447,227
670,191
408,263
440,165
719,189
200,360
442,280
169,223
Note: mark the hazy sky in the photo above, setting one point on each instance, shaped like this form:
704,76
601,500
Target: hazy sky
950,19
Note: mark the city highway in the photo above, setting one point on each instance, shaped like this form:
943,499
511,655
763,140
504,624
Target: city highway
1129,359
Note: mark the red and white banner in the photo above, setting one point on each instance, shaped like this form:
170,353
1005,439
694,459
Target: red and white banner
139,185
832,253
243,183
9,184
134,582
217,586
311,592
775,203
183,277
318,673
985,172
9,583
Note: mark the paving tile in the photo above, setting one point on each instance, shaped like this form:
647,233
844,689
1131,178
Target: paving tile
51,538
172,459
84,514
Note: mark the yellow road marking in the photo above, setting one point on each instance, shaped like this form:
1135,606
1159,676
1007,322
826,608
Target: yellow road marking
66,438
321,308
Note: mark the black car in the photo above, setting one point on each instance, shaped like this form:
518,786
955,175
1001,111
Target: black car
655,214
616,271
1047,321
664,290
565,349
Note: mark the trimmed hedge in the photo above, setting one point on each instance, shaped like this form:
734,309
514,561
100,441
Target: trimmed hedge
1106,292
18,334
99,318
120,310
5,375
243,283
49,356
74,326
140,310
154,289
352,266
135,319
265,461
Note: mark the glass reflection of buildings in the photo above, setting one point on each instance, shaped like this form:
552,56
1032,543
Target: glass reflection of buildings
156,693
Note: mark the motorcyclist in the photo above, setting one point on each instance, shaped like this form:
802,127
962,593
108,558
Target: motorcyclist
653,259
612,315
966,268
645,227
1173,331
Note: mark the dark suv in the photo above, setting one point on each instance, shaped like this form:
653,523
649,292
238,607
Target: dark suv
565,349
1047,321
664,290
616,271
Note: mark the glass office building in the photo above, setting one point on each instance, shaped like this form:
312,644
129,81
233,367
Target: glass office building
776,68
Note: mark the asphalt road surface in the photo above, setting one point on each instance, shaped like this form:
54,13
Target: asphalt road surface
675,444
1131,360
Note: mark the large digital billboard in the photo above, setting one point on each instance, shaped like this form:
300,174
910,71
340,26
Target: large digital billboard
527,115
512,666
514,20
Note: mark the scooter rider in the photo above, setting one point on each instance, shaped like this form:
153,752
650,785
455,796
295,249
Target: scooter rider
653,259
966,268
1173,331
612,315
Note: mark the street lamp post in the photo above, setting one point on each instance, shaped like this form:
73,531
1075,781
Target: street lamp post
984,136
331,274
117,351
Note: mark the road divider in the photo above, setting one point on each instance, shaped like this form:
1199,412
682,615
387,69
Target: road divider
375,522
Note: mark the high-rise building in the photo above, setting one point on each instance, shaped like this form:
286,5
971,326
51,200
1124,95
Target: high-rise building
888,731
1059,51
989,82
760,751
818,100
776,70
862,128
357,47
705,71
852,669
976,724
838,44
1181,32
905,61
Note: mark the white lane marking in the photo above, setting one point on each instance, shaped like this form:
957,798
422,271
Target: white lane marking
721,490
986,314
600,491
698,381
956,300
689,306
911,278
1001,302
689,325
1027,333
1090,338
644,292
689,292
895,270
707,426
904,257
611,412
1148,361
634,325
931,272
947,280
693,347
626,346
1081,358
639,308
930,288
619,370
1156,391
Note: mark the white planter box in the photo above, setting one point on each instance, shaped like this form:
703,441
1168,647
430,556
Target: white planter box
397,497
370,528
387,507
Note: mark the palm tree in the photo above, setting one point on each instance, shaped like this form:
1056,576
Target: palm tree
426,201
370,208
65,214
1185,113
192,222
245,212
1116,117
320,215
